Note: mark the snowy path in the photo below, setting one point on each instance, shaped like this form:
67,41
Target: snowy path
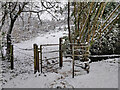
103,74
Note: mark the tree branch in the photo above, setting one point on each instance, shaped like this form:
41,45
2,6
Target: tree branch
39,18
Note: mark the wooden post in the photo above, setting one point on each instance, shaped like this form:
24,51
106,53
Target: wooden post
11,57
41,56
60,53
35,66
73,62
38,60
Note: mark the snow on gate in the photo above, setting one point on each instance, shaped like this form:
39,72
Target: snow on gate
49,54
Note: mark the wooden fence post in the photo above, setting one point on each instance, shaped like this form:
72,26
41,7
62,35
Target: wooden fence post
41,57
60,53
11,57
35,53
38,60
73,62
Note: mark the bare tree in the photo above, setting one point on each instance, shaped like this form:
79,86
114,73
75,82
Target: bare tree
12,10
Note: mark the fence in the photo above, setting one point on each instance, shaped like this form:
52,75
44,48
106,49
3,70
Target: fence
11,57
84,55
40,50
76,49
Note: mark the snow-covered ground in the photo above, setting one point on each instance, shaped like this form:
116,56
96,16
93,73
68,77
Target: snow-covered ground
103,74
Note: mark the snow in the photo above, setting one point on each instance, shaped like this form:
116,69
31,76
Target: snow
103,74
105,55
46,16
33,81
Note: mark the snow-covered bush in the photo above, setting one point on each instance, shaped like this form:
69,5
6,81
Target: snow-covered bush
108,44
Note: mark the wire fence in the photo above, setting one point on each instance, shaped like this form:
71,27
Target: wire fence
24,49
27,49
25,54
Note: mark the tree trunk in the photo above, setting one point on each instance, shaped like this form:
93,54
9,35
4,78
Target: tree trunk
8,46
69,33
9,38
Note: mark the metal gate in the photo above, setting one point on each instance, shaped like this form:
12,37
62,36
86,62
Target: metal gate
78,50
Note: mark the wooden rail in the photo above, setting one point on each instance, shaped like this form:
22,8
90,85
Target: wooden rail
60,53
76,48
52,51
49,44
51,58
84,55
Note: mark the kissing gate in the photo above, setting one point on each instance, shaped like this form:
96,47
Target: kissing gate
76,49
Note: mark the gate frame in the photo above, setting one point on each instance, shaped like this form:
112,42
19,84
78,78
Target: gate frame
39,50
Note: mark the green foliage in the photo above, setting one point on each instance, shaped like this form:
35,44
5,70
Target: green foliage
61,11
3,33
65,46
72,14
107,44
0,47
93,27
109,8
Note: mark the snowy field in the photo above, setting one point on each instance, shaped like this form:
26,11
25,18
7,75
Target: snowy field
103,74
